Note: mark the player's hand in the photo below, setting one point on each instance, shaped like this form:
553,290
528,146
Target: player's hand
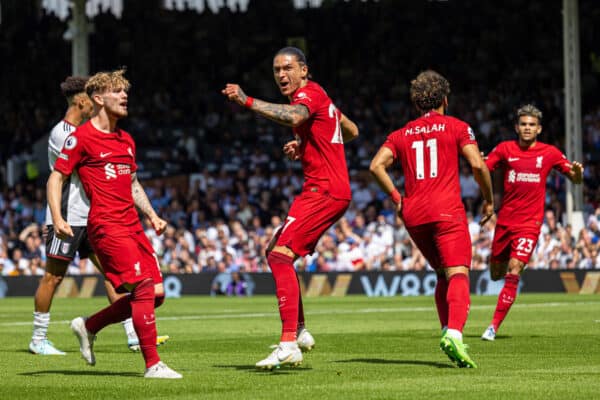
577,172
158,224
235,93
292,150
62,230
487,212
399,209
483,156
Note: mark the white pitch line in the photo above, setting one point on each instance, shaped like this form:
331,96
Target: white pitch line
332,312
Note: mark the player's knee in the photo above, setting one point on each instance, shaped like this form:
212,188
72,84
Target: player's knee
51,279
159,300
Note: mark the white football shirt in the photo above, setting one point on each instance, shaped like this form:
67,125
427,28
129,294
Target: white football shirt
75,204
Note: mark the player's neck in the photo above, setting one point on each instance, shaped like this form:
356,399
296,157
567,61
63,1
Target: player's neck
73,116
104,123
527,145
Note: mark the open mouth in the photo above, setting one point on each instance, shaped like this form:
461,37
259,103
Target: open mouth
284,85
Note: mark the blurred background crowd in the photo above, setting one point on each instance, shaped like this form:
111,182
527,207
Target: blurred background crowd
217,174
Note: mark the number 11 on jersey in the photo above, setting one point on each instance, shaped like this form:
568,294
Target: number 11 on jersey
420,158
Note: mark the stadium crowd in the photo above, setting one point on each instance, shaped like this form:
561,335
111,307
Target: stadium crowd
237,184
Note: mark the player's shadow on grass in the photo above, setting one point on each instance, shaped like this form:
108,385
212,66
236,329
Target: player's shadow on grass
406,362
81,372
276,371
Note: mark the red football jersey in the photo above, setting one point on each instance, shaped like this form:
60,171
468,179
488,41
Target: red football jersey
321,143
105,162
428,150
525,173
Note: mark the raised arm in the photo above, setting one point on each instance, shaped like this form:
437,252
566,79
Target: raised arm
349,129
141,201
54,192
481,173
285,114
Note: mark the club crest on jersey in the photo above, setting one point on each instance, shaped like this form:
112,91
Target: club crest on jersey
64,248
512,176
538,161
70,143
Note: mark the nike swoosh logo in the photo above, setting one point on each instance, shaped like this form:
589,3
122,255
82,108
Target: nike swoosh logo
102,155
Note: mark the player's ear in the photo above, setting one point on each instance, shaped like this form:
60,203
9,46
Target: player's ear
304,69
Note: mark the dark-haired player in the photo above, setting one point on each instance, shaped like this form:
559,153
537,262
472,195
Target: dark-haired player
526,164
320,131
428,149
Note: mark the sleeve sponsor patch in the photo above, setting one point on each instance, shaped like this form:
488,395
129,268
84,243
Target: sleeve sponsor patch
70,143
471,133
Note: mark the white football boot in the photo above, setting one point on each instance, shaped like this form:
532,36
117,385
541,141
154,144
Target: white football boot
282,355
162,371
306,342
489,334
86,340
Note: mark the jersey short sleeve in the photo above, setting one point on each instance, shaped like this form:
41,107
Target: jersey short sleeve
70,155
309,97
562,163
390,143
494,158
465,134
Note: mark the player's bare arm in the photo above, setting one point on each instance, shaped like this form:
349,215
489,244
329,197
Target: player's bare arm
349,129
142,202
481,173
54,192
575,175
378,168
285,114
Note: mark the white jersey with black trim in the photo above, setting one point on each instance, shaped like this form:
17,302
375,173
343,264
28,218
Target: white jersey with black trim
75,204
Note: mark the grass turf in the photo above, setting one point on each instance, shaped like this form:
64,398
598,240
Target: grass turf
367,348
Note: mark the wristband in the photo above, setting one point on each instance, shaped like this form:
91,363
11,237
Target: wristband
249,102
396,197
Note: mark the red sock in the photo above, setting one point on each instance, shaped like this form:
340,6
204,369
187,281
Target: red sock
288,293
144,323
300,306
441,288
116,312
507,297
459,300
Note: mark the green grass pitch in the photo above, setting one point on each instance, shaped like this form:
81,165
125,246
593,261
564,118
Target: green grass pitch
367,348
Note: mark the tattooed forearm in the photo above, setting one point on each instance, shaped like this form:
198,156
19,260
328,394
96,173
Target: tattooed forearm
290,115
140,199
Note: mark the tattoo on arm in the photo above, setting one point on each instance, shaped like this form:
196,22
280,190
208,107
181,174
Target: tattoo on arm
286,114
140,198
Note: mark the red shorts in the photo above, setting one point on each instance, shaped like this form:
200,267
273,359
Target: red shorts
443,243
126,256
310,215
511,242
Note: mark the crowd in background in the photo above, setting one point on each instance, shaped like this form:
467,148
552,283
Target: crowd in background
237,184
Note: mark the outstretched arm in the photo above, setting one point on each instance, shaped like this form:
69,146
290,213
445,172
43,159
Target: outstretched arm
575,175
140,199
285,114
